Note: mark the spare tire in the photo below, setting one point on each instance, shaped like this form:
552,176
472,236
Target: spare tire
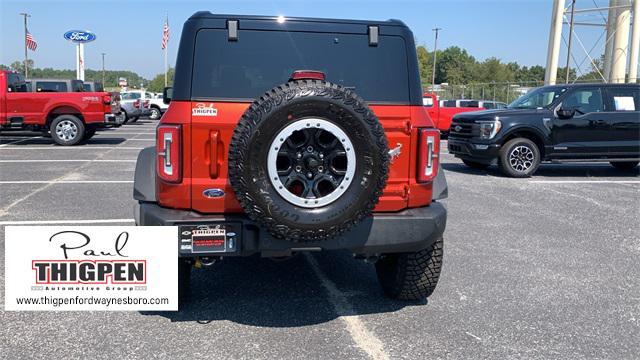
308,160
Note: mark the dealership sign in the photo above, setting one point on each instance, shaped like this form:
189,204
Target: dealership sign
79,36
91,268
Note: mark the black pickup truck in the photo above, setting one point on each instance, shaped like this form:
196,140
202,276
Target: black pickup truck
559,123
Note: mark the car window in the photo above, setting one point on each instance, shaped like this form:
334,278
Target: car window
538,98
87,87
584,101
488,105
16,83
449,103
51,86
625,98
260,60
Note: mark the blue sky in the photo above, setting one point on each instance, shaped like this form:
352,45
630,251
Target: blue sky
130,31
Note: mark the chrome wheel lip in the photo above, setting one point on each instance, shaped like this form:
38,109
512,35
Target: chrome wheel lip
66,130
283,135
521,158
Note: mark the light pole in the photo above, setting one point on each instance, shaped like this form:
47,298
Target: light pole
435,50
26,59
103,54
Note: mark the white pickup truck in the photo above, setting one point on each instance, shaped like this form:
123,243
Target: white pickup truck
156,105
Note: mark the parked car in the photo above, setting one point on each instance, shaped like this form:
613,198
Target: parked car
134,105
93,86
563,123
442,115
299,151
157,107
55,85
70,117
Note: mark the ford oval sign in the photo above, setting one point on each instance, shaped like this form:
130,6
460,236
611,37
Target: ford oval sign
79,36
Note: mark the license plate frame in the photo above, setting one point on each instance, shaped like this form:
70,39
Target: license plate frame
208,239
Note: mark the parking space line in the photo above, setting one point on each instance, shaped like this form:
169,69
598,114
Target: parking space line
19,141
69,182
584,181
64,160
55,147
48,222
364,339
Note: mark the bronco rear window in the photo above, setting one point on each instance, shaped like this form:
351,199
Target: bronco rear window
260,60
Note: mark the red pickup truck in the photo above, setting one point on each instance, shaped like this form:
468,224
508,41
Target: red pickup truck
70,117
441,116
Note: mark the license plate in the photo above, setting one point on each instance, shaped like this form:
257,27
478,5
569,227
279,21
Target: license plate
201,239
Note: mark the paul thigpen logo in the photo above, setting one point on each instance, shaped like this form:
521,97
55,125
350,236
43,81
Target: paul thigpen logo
118,269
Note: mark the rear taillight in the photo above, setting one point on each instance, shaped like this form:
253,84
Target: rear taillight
146,103
169,157
106,99
428,154
136,104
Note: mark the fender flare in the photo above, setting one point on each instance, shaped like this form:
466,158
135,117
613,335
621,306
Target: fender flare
144,183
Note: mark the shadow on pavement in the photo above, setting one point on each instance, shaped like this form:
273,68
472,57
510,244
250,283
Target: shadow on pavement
552,170
261,292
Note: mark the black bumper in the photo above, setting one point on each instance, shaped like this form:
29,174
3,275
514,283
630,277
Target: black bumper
464,148
405,231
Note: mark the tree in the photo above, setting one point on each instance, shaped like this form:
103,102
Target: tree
19,66
157,84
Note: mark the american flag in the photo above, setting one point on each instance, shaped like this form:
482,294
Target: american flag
31,42
165,34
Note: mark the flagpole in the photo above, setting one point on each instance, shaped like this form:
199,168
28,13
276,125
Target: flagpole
26,58
166,49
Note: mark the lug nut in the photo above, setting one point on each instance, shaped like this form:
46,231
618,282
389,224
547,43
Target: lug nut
298,168
320,168
321,156
299,155
310,175
310,148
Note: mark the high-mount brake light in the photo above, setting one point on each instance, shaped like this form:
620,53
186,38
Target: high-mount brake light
307,75
428,154
169,162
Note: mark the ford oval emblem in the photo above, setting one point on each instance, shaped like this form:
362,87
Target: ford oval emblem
458,128
79,36
213,193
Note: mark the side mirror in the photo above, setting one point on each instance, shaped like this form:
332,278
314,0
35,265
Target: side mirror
564,113
166,95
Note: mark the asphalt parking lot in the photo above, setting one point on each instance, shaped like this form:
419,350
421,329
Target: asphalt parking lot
545,267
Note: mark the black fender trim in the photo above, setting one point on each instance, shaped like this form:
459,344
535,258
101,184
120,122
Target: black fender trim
144,184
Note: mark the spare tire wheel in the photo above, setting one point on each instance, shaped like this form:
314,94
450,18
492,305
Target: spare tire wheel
308,160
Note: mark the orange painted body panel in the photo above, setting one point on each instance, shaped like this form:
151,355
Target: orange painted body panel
206,139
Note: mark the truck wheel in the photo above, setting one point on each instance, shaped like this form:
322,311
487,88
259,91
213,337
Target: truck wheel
67,130
624,165
475,165
308,160
125,116
184,278
519,158
155,113
411,276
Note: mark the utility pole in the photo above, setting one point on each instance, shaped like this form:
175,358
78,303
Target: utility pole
103,54
26,59
435,51
573,9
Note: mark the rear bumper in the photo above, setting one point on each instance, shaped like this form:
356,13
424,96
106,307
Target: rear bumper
113,120
466,149
406,231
